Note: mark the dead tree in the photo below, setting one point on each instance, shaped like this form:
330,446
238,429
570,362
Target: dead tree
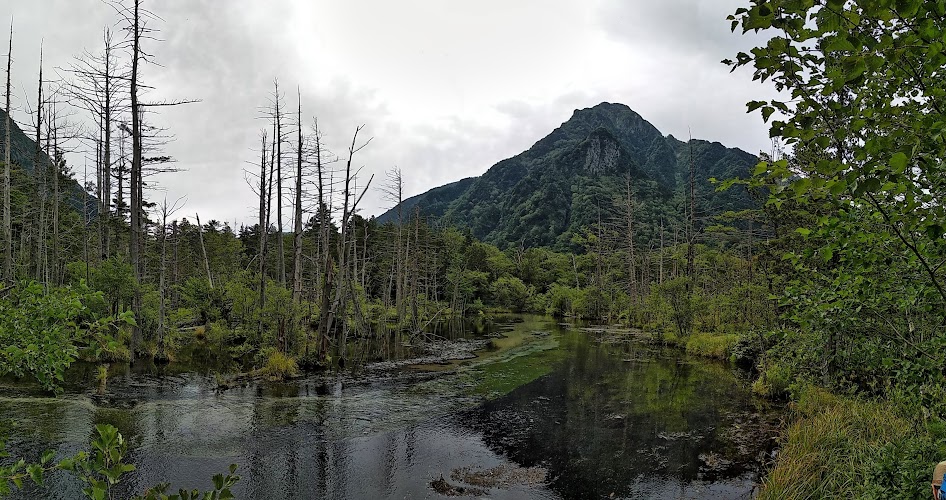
394,192
297,230
277,150
166,211
98,86
136,21
263,229
40,170
7,223
350,202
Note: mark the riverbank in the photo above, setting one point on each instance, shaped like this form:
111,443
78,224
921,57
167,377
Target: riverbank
833,445
850,447
596,418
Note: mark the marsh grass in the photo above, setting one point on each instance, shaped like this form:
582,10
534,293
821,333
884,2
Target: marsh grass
711,346
845,447
280,366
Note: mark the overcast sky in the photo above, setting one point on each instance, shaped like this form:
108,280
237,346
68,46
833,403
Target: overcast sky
445,88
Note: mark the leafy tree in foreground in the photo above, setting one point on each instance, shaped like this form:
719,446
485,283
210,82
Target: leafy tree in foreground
867,95
864,113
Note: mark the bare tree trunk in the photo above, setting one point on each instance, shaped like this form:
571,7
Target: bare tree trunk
175,269
41,170
325,256
85,227
297,233
263,230
280,243
105,202
349,207
7,223
122,169
161,279
395,192
58,163
134,240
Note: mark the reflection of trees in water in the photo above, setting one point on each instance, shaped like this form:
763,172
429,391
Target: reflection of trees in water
600,423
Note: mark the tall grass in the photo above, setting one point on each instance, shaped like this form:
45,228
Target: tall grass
840,447
280,366
711,346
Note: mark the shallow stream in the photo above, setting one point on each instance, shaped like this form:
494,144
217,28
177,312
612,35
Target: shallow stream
549,411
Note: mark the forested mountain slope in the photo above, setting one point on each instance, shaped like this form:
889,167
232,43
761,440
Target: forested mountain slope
580,174
23,177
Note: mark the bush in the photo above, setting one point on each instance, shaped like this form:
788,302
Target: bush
748,350
510,293
280,366
42,333
774,380
561,301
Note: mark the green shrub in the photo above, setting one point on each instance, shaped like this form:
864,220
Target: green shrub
774,381
280,366
42,332
511,293
561,301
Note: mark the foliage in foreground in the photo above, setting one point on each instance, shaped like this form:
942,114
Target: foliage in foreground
102,469
860,220
42,332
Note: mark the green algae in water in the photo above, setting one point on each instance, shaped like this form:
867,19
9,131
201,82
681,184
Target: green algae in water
503,374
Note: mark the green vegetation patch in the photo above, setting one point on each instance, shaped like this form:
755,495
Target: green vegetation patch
501,374
711,346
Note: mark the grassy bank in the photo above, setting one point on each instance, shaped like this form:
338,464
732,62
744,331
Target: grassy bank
847,447
833,446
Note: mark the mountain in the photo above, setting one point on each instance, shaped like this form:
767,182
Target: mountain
579,174
23,158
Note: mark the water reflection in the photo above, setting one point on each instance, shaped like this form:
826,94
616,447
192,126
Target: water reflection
629,421
601,418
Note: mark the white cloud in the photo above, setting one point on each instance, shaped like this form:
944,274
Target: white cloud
445,88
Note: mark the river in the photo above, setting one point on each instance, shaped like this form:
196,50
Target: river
549,411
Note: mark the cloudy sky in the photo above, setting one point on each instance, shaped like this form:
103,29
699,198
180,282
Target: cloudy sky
445,88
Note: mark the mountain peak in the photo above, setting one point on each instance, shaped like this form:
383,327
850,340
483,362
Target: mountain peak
547,195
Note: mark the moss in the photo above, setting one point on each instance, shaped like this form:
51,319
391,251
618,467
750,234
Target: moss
519,358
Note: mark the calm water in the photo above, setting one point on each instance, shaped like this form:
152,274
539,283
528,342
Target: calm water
551,412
